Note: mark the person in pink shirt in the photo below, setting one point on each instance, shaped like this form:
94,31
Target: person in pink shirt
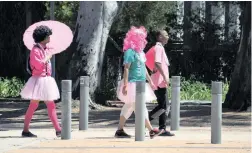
160,78
40,86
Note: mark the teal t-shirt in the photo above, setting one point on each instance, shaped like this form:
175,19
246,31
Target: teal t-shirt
137,71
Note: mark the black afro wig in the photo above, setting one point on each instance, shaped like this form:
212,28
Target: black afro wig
40,33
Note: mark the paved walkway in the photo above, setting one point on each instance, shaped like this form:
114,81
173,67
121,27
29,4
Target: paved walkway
194,134
197,140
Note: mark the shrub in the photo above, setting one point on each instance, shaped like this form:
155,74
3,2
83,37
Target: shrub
10,87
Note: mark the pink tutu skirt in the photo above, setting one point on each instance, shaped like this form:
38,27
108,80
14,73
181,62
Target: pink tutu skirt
40,88
131,93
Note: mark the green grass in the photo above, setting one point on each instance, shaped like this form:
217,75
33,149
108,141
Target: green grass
190,90
195,90
10,87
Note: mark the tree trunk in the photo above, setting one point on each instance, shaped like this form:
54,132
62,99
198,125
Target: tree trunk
187,26
28,13
239,93
227,20
86,53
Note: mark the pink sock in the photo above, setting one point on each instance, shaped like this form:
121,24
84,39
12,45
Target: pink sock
51,108
29,113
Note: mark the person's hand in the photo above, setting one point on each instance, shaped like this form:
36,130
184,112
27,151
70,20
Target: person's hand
48,57
154,70
167,82
152,85
125,90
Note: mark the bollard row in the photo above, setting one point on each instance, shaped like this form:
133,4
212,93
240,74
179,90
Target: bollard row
66,94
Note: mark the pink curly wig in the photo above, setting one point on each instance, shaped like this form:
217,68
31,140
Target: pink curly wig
135,39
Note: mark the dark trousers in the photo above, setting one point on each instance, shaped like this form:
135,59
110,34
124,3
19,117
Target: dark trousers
162,107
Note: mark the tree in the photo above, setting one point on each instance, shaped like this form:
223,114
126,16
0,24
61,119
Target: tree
12,27
65,12
150,14
85,55
239,93
147,13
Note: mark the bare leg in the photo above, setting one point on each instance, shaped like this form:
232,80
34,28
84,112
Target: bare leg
121,122
148,124
126,112
147,121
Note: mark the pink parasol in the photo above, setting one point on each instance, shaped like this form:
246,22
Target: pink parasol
150,58
60,39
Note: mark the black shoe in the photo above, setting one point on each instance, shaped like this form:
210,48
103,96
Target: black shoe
167,133
58,133
121,134
28,134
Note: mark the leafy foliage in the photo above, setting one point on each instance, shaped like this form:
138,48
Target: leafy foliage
196,90
151,14
65,11
206,57
207,60
10,87
13,24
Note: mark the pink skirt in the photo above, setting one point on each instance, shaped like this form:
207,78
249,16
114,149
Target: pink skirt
40,88
131,95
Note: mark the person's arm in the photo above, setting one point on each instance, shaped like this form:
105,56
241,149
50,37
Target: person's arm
128,59
150,80
36,59
158,65
126,74
148,75
159,68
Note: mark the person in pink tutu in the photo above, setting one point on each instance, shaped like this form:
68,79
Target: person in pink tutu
134,70
40,86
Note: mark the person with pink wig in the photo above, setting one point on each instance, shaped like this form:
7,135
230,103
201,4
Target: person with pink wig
134,70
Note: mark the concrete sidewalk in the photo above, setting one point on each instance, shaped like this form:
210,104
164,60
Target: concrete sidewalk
197,140
194,135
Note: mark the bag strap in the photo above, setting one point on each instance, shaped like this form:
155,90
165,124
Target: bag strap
39,46
28,67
